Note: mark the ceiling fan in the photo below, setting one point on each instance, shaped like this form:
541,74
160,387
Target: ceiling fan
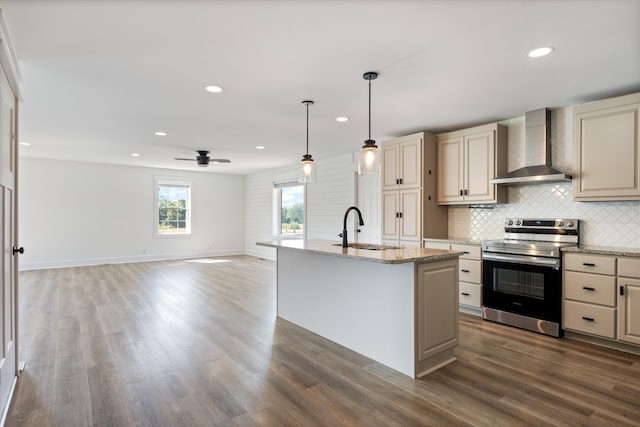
203,159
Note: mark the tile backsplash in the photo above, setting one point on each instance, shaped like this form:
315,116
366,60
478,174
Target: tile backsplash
601,223
614,224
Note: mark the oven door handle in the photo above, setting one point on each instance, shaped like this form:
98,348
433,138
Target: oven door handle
516,259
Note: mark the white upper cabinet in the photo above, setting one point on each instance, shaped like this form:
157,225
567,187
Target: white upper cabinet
409,209
402,163
467,160
606,150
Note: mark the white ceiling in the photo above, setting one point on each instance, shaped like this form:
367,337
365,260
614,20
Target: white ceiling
99,77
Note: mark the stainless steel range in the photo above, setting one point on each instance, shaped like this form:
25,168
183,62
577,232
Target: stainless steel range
522,276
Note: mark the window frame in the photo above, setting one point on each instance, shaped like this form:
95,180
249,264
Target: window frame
277,209
172,182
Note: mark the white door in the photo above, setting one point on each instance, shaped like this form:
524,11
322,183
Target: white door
9,281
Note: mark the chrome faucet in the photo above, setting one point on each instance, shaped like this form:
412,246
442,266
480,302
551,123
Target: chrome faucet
345,244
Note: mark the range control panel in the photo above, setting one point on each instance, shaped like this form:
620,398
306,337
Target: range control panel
549,224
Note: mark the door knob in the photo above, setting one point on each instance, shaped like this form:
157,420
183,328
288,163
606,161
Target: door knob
18,250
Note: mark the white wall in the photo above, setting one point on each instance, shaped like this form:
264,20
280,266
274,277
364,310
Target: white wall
326,201
74,213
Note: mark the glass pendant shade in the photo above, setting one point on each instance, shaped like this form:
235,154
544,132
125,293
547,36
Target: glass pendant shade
369,158
306,168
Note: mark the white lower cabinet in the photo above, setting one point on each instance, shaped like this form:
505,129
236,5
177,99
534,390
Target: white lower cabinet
629,300
470,274
589,304
590,319
602,296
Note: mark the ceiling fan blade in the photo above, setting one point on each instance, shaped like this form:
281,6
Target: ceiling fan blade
182,158
220,161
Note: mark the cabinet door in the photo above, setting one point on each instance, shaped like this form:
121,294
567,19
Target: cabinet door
437,308
410,171
390,209
480,167
390,166
450,170
629,310
607,162
411,210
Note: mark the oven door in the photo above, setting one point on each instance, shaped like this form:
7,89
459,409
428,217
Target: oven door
529,286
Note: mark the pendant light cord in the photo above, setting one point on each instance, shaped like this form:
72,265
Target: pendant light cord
307,104
369,109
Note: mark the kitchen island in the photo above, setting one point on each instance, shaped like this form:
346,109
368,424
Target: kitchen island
397,306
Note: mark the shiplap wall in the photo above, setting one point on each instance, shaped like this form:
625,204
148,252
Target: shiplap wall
326,201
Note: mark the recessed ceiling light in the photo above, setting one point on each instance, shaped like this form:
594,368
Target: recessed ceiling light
26,144
213,89
135,155
161,133
342,119
541,51
259,147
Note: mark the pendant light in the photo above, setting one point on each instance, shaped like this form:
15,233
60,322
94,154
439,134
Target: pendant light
306,169
369,159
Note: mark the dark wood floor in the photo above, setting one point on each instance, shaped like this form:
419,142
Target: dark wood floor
197,344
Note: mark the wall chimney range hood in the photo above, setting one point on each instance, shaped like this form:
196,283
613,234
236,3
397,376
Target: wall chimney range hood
538,169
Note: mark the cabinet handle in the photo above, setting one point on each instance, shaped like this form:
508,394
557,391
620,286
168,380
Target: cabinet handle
397,181
400,213
622,290
400,181
466,192
588,319
587,288
588,264
466,252
397,216
466,294
464,271
461,192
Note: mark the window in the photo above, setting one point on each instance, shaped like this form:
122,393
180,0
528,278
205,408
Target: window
173,208
289,209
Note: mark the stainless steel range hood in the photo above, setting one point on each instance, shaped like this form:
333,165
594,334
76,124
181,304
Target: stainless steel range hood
537,154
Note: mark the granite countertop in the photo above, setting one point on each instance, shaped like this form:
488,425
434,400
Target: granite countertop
604,250
398,255
456,240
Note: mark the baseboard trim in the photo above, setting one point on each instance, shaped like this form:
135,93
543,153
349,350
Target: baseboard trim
125,260
603,342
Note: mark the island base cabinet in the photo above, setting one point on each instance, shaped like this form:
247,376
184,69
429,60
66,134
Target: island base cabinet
437,315
372,307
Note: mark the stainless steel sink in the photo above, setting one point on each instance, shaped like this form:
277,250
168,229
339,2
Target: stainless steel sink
369,246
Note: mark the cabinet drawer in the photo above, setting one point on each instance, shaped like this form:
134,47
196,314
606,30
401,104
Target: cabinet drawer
437,245
590,288
470,271
471,294
470,251
629,267
589,318
590,263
